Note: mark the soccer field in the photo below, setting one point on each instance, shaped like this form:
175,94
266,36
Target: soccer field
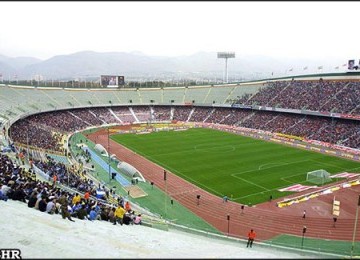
247,170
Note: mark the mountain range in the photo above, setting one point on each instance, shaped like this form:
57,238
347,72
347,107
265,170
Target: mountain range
135,65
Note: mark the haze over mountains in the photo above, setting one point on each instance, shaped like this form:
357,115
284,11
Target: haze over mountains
136,65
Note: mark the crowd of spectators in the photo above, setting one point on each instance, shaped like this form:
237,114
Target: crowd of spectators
86,115
105,115
348,100
325,129
16,183
30,133
182,113
66,175
62,120
124,114
200,114
143,113
228,116
316,95
161,113
45,130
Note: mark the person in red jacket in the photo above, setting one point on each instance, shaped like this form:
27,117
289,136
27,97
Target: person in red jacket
54,180
251,237
127,206
87,196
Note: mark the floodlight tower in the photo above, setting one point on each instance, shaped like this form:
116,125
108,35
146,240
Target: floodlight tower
226,56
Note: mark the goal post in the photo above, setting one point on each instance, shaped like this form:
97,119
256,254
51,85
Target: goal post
318,177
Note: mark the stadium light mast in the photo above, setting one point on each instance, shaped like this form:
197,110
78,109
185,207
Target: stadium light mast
226,56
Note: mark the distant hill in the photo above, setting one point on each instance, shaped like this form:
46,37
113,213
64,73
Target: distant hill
12,66
18,62
86,64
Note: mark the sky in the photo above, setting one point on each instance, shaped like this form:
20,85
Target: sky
305,29
40,235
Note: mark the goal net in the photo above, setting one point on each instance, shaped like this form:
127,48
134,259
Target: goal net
318,177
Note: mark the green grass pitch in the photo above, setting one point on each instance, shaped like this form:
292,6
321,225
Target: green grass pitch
247,170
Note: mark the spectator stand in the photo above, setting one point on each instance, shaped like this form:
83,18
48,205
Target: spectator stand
148,218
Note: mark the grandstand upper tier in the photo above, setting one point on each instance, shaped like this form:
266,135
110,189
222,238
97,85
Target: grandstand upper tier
339,95
20,101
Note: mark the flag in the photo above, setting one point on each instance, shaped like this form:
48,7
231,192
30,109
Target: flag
305,68
320,67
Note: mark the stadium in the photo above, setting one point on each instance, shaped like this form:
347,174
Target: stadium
215,159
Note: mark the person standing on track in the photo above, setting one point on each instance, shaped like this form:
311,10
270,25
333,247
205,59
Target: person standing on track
251,238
